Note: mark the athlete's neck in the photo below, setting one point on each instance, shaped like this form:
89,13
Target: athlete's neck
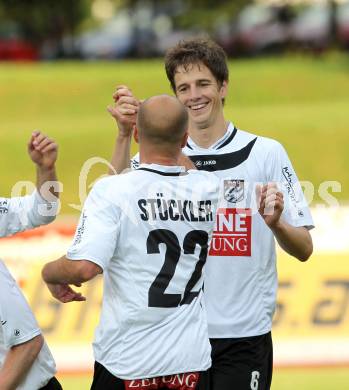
207,136
144,158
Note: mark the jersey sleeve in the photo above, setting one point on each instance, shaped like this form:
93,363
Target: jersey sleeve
25,212
280,170
98,228
17,320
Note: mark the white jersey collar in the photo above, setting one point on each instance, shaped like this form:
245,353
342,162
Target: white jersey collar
171,169
230,130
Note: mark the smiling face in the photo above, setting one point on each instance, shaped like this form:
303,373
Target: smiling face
199,91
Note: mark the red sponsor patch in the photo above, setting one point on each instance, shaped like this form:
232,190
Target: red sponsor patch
187,381
232,233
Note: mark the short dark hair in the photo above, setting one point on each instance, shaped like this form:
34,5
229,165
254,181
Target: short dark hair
195,51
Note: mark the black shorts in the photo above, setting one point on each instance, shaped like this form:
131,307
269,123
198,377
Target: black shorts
104,380
53,384
240,364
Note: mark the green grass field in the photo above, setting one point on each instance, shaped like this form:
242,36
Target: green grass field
283,379
302,102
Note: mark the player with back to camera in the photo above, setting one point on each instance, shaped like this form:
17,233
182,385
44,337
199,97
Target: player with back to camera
26,362
241,276
148,232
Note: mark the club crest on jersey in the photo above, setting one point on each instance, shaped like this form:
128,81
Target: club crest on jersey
234,190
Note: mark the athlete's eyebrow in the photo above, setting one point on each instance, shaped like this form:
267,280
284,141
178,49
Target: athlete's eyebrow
204,80
196,82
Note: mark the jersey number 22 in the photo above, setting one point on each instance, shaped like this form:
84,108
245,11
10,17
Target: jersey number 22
156,294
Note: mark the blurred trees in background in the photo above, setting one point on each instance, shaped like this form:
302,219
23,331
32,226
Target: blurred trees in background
45,22
200,14
53,25
52,19
111,29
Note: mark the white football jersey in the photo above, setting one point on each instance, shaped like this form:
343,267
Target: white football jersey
18,325
241,274
149,230
25,212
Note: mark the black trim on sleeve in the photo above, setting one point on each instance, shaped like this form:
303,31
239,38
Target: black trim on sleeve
216,162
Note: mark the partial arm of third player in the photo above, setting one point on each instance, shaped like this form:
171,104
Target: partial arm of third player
43,152
18,362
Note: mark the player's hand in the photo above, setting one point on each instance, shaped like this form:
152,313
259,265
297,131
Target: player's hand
42,150
271,203
64,293
124,110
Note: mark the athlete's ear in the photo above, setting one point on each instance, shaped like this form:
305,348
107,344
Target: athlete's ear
224,89
184,140
135,134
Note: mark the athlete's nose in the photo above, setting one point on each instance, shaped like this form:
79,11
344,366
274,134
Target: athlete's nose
194,92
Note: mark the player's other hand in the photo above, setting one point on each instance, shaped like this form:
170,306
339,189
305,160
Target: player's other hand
270,203
42,150
124,110
64,293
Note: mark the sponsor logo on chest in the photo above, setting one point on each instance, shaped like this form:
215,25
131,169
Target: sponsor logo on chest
232,233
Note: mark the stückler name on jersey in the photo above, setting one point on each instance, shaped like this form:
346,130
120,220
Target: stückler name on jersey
160,209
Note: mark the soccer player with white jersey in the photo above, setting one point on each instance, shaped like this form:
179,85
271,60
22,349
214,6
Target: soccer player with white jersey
148,232
25,360
263,200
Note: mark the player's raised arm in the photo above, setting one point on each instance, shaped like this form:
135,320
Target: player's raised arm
124,112
19,359
43,151
19,213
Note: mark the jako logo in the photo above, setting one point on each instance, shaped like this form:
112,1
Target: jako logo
200,163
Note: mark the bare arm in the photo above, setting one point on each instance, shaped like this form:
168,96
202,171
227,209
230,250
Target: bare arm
62,272
124,112
121,154
18,362
296,241
43,152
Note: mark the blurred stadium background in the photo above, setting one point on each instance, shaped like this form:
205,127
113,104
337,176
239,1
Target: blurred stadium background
289,71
